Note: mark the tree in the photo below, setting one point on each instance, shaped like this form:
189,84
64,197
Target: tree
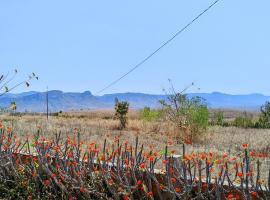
13,106
218,118
121,110
264,119
7,85
190,115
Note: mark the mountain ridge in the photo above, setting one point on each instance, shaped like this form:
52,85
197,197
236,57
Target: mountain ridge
34,101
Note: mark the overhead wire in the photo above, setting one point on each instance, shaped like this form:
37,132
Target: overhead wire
158,49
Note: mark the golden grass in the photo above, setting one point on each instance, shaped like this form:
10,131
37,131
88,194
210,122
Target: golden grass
96,126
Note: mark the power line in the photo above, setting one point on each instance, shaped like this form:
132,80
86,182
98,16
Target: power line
163,45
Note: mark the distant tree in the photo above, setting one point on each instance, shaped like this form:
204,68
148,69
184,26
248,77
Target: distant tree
121,110
218,118
13,106
244,120
264,119
7,85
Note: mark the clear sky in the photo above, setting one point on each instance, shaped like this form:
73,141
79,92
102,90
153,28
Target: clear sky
84,45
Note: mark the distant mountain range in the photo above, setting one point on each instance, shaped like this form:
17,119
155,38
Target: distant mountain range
67,101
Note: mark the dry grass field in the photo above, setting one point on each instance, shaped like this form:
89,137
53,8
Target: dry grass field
99,125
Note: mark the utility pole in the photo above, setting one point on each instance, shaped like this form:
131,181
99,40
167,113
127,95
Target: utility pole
47,103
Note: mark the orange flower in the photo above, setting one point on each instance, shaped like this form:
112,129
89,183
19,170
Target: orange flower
173,180
165,161
202,156
161,187
178,190
82,189
173,151
9,130
149,194
142,166
254,194
34,174
125,197
151,158
239,174
252,153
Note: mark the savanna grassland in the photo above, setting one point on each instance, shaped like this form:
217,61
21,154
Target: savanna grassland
97,126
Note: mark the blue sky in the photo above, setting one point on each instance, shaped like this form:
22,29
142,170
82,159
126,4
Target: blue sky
84,45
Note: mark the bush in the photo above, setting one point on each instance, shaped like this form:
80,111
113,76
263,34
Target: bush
244,121
199,118
264,120
121,110
150,115
188,114
218,118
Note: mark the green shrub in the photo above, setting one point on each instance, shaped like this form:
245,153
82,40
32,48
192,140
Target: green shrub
121,110
244,121
198,119
218,118
150,115
186,113
264,120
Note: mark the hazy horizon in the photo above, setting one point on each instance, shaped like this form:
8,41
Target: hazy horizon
138,92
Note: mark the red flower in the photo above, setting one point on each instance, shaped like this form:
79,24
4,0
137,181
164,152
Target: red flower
173,180
125,197
139,182
151,158
225,155
149,194
142,166
248,173
53,175
252,153
239,174
254,194
82,189
245,145
202,156
165,161
110,181
161,187
178,190
47,182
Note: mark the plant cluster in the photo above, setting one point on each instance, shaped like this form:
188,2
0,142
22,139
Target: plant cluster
190,115
68,168
150,115
121,111
245,120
